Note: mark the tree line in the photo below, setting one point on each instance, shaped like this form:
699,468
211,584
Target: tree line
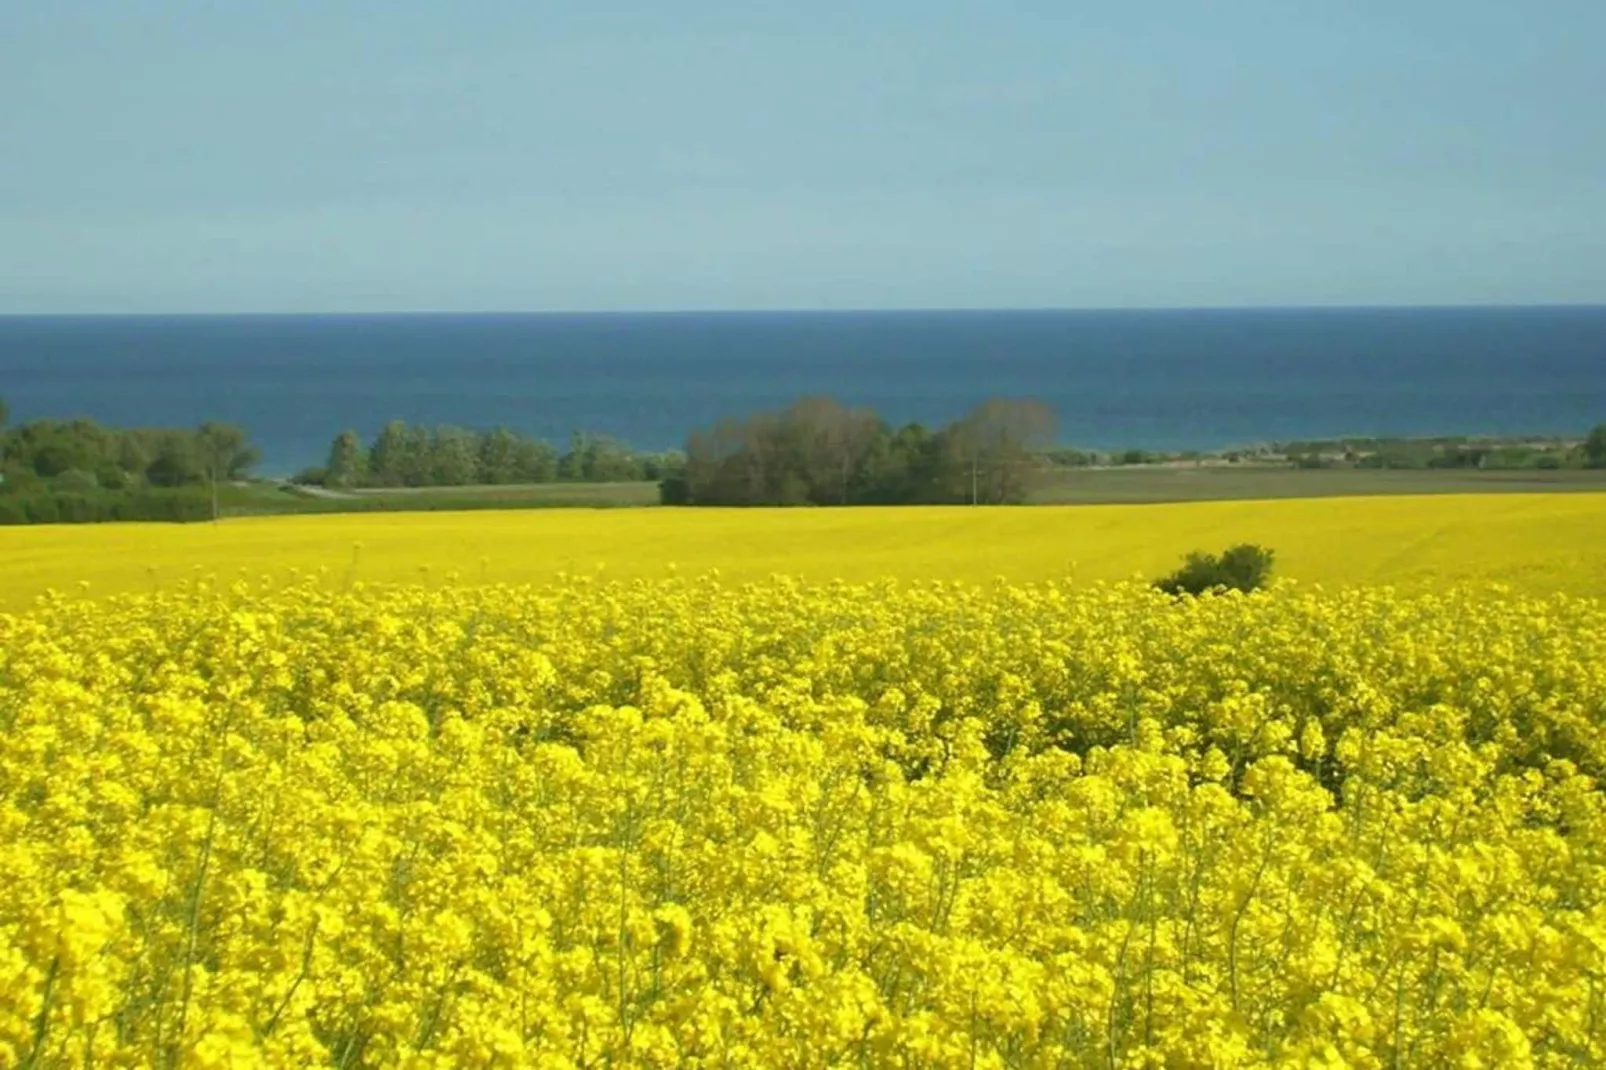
80,470
818,451
1451,453
414,455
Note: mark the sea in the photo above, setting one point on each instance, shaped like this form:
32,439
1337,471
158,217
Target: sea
1163,380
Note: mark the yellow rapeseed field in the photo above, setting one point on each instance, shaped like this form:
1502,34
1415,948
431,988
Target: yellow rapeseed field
943,801
685,822
1539,543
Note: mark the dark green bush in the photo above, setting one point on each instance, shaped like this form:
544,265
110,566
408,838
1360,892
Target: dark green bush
42,507
1245,567
673,490
175,506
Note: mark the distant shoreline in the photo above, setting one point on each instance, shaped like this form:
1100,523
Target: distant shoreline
1210,379
1262,455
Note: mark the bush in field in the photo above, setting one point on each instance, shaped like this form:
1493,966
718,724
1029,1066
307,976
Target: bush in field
1245,567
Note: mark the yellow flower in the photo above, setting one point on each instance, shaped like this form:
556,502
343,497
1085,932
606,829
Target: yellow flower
700,821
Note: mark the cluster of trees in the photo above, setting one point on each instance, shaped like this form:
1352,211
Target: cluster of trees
1070,457
818,451
180,504
82,470
1407,455
1450,453
412,455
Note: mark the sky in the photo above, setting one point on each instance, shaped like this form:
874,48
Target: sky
326,156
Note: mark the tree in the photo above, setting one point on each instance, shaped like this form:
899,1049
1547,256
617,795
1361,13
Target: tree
51,447
594,458
174,459
454,457
499,456
825,442
762,465
656,466
225,453
5,412
135,451
416,457
611,460
1595,447
75,481
535,461
895,467
573,463
388,461
709,470
818,451
347,461
998,440
401,456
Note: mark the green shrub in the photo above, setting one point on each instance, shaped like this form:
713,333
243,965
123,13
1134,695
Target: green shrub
1245,567
175,506
87,508
673,490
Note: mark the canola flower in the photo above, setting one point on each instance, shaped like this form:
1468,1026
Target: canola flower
1539,543
689,821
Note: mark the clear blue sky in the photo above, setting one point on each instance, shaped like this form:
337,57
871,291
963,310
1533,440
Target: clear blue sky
318,155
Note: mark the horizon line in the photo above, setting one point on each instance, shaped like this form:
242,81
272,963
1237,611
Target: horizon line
803,311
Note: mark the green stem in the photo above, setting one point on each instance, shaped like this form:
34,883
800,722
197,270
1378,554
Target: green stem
41,1023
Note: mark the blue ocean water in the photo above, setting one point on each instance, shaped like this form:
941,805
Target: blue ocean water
1158,379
